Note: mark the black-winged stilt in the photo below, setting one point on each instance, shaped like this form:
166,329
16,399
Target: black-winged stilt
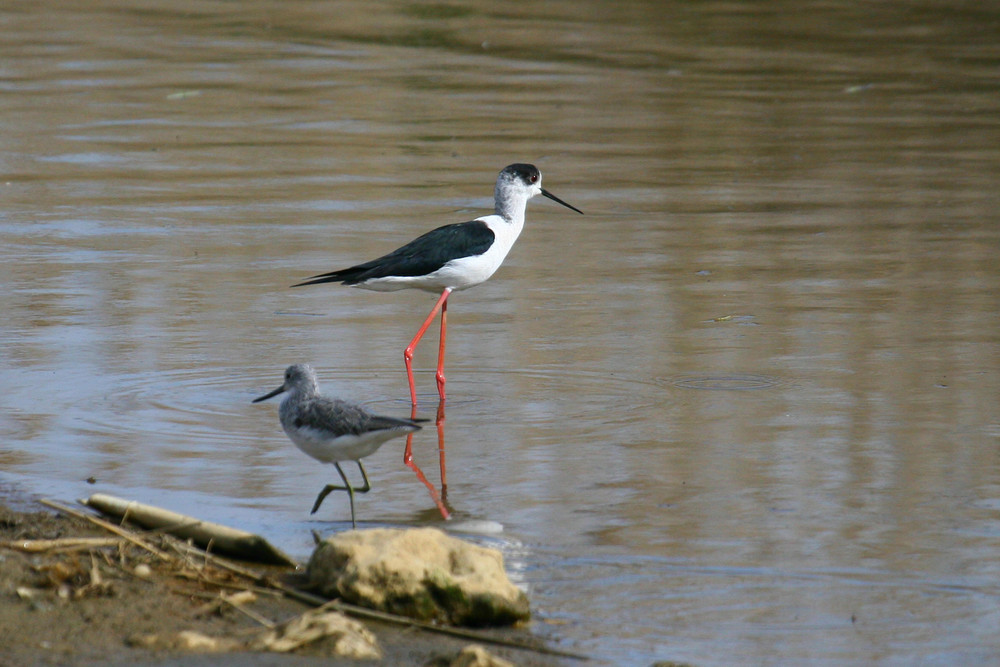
331,430
450,258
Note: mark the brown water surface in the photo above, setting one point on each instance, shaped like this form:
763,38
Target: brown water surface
744,411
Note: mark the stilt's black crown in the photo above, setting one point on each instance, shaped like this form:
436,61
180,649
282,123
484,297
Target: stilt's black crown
528,173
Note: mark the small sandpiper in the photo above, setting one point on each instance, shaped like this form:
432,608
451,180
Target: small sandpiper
331,430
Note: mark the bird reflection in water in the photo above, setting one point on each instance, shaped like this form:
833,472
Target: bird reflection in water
440,499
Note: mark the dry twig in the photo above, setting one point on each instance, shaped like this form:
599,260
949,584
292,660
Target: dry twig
62,544
107,525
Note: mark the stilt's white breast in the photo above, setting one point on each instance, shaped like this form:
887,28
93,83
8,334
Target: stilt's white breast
467,272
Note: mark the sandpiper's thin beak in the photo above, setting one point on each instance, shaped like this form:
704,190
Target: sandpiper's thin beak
546,193
267,396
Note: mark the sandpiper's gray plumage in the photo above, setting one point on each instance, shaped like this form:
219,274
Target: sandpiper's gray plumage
452,257
331,430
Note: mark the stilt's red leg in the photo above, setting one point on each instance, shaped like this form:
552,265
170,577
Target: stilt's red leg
408,452
444,331
408,352
439,500
442,305
439,423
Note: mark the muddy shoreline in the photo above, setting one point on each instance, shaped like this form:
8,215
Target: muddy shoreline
94,604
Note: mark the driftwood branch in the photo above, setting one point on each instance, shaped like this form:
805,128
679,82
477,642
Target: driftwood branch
223,539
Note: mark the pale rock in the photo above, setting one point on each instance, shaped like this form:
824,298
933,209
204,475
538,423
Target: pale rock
475,655
186,640
350,638
189,640
421,573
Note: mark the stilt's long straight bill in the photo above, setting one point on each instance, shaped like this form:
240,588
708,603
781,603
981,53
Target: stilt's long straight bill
450,258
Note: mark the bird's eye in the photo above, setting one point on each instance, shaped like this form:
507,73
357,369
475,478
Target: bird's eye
534,178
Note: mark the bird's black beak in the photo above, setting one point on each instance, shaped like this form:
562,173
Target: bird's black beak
267,396
546,193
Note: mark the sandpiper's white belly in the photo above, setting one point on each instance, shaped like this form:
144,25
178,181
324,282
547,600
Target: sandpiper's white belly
322,446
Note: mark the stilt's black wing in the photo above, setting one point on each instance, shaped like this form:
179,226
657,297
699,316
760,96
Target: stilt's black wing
421,256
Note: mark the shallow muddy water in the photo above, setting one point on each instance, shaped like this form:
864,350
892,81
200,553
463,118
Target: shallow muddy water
743,411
